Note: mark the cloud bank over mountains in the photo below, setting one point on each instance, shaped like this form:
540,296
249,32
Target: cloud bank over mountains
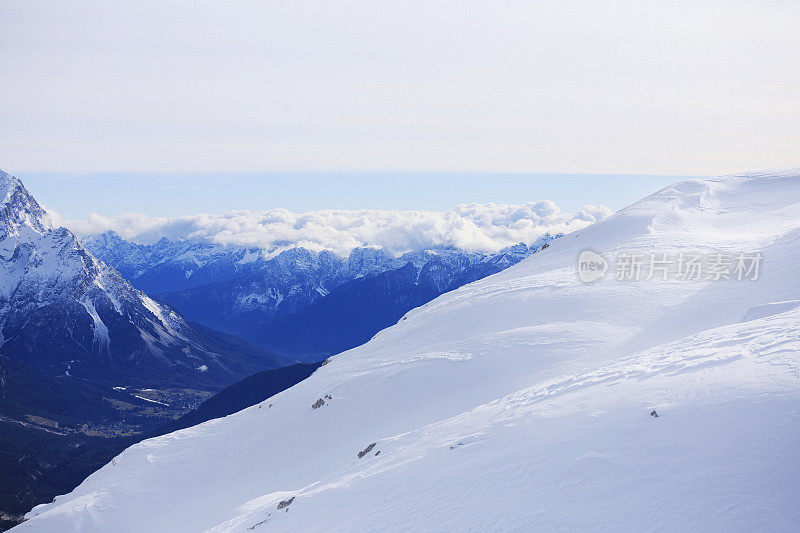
476,227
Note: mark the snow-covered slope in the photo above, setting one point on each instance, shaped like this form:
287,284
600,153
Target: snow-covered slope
63,311
521,402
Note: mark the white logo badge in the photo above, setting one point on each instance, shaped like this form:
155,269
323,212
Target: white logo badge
591,266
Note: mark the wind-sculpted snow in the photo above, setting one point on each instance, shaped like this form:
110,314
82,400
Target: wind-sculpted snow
525,401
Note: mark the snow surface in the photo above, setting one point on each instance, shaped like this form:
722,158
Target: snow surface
521,402
101,336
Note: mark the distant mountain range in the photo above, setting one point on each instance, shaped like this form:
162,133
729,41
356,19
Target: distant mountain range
299,303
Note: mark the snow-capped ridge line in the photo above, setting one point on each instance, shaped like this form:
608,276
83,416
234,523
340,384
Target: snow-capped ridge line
59,303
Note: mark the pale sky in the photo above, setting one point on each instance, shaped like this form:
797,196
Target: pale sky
665,87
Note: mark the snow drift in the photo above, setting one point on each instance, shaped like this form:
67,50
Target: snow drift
522,401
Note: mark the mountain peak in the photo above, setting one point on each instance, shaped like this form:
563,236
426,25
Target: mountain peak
7,184
18,207
59,303
107,238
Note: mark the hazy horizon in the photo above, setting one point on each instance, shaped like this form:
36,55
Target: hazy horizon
76,196
618,87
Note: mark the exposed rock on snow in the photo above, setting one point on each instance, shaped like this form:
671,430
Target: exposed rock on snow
285,503
366,450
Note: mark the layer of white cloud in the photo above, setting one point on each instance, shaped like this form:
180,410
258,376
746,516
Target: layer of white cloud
477,227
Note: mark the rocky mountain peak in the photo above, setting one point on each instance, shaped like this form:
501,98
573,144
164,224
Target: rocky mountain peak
18,208
62,310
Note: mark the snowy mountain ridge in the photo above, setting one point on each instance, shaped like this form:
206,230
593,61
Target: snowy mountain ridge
526,400
169,265
18,209
62,310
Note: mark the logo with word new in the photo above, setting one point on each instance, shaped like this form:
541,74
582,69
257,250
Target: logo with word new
591,266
